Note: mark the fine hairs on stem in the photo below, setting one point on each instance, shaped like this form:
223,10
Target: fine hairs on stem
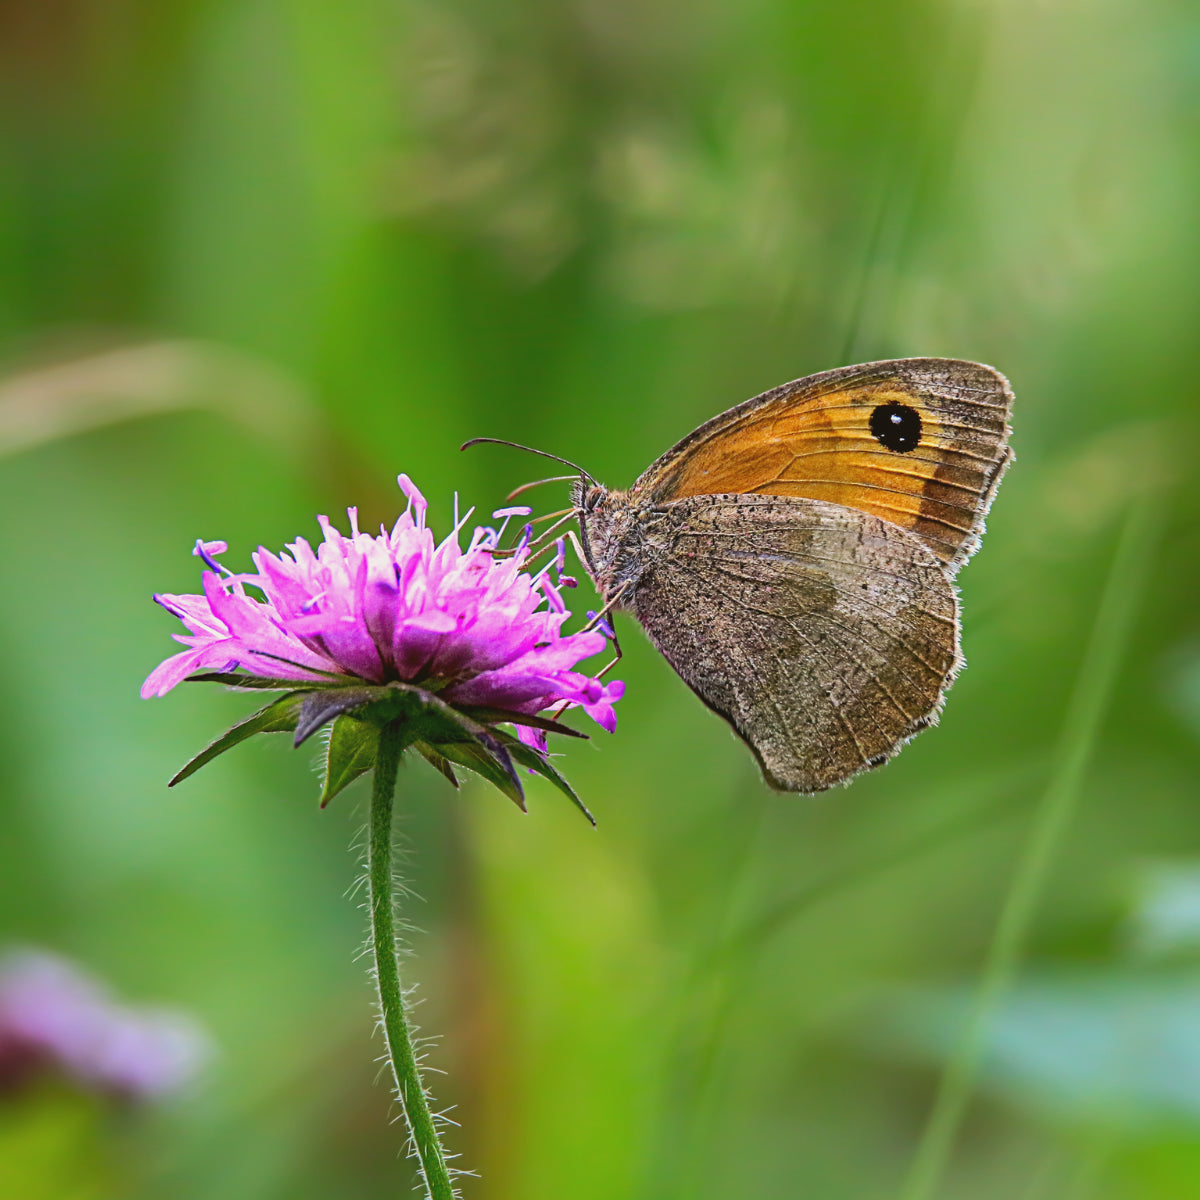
414,1100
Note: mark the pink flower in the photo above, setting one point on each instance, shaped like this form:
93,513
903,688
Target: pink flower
55,1017
472,626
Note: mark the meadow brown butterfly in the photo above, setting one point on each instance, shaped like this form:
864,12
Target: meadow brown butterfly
794,558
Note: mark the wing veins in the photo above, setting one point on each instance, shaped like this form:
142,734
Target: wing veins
815,557
856,595
870,675
925,517
831,666
870,487
785,725
764,413
962,487
778,617
856,430
983,458
887,507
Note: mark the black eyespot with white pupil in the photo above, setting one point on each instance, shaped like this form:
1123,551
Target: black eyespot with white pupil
897,427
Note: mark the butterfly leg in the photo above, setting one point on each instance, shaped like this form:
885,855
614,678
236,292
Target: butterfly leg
598,619
617,653
616,658
542,541
600,674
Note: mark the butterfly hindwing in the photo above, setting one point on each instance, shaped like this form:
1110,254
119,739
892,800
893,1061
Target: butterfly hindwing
824,635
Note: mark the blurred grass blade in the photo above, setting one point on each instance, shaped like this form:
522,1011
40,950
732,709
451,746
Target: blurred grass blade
1084,718
131,382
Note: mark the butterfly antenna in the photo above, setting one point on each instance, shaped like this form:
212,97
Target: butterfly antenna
566,462
537,483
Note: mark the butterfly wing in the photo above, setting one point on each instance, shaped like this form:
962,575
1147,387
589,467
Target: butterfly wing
824,635
919,442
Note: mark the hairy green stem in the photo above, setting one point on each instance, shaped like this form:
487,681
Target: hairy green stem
1085,714
387,973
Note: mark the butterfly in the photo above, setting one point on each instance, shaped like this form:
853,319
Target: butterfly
794,558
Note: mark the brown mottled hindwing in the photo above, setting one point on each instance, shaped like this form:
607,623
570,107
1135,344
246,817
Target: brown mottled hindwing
824,635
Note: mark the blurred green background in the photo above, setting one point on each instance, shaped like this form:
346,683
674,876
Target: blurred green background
257,256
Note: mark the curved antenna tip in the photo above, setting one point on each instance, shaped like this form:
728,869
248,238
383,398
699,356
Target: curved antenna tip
528,450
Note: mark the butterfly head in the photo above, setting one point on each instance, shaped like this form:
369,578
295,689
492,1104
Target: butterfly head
588,502
609,533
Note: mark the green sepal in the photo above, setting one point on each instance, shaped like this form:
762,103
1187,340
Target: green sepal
351,752
442,733
499,752
438,761
319,708
280,716
492,716
237,679
465,731
527,756
480,759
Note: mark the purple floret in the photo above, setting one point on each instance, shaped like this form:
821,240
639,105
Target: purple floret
54,1017
396,606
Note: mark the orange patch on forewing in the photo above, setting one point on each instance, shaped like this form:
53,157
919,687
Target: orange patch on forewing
822,448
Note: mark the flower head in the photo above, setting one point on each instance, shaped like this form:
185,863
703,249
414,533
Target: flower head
472,627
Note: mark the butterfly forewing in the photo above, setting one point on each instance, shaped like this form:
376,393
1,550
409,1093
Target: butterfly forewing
919,442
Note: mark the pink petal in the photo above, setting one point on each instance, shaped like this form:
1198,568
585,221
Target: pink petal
397,605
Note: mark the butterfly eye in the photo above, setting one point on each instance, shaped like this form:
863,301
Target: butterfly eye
592,498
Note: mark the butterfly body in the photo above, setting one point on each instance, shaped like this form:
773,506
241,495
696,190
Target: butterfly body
793,558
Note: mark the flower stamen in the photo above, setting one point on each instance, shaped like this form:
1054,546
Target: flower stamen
207,551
